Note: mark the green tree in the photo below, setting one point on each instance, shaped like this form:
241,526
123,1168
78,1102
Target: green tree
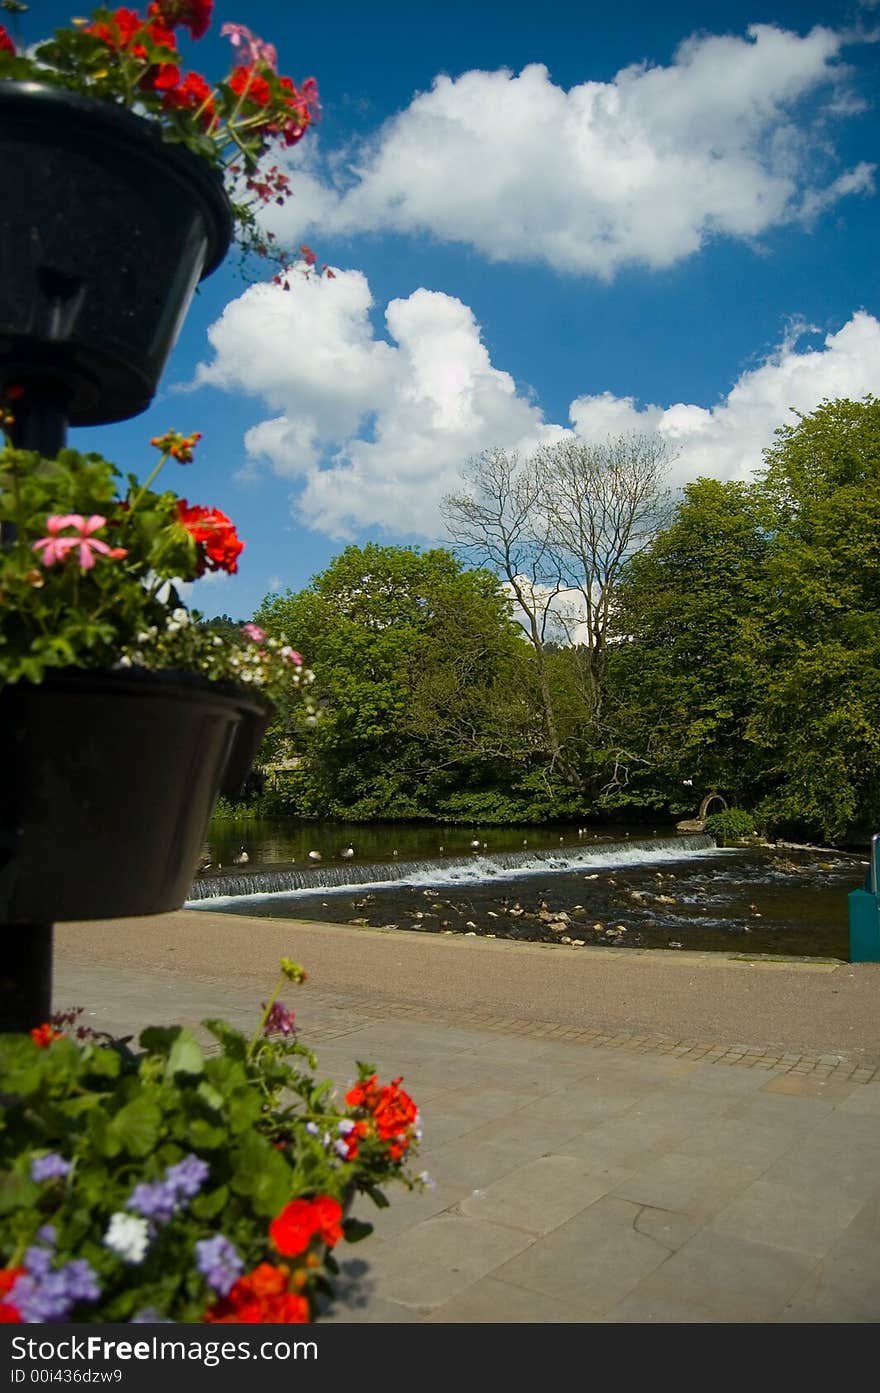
751,661
680,699
420,684
813,654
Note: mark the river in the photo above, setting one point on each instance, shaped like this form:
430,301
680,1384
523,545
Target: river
621,886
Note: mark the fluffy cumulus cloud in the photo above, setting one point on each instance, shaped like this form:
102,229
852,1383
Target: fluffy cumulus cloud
372,430
727,440
375,430
733,138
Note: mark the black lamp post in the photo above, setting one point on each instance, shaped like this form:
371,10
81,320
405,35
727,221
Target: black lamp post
106,231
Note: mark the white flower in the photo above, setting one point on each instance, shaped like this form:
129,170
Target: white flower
217,641
128,1236
180,616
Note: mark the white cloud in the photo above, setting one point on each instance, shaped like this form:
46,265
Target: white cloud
727,440
372,432
376,431
643,169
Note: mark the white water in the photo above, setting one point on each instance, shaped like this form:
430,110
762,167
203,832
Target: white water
476,869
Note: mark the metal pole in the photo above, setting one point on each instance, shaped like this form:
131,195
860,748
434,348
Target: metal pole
25,976
26,957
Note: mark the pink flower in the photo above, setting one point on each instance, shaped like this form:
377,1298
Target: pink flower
292,656
254,50
57,548
254,632
279,1020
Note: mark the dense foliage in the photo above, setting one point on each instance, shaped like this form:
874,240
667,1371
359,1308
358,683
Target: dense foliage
733,825
425,695
741,654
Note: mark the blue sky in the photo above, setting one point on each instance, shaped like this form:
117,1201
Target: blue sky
543,219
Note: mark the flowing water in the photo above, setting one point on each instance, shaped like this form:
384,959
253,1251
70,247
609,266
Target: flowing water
615,886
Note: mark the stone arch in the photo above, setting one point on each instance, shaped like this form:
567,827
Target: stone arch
707,803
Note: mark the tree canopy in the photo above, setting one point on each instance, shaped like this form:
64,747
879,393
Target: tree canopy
730,643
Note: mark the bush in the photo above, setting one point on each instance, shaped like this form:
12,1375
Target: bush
733,825
173,1184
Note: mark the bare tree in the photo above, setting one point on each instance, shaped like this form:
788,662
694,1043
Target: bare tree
603,503
558,527
500,521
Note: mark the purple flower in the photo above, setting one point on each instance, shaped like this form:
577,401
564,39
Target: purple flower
161,1199
49,1167
154,1200
38,1261
82,1282
188,1176
279,1020
50,1296
47,1234
218,1263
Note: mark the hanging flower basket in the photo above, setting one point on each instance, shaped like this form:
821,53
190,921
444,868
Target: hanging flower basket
106,231
110,779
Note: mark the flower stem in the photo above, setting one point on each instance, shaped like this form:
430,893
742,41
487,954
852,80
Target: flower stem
267,1010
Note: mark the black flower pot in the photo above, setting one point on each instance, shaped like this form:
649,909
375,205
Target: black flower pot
109,781
105,233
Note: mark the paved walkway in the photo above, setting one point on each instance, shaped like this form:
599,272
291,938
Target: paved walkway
615,1135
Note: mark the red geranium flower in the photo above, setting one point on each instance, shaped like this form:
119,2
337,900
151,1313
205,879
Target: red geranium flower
194,15
219,547
125,27
191,94
302,1220
9,1314
161,77
260,1297
6,43
393,1113
249,81
43,1035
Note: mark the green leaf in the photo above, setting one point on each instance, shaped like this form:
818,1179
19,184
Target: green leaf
158,1039
210,1204
102,1062
233,1042
204,1135
136,1127
186,1055
210,1096
244,1109
260,1172
16,1192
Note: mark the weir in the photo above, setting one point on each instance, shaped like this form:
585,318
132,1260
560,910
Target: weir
446,869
